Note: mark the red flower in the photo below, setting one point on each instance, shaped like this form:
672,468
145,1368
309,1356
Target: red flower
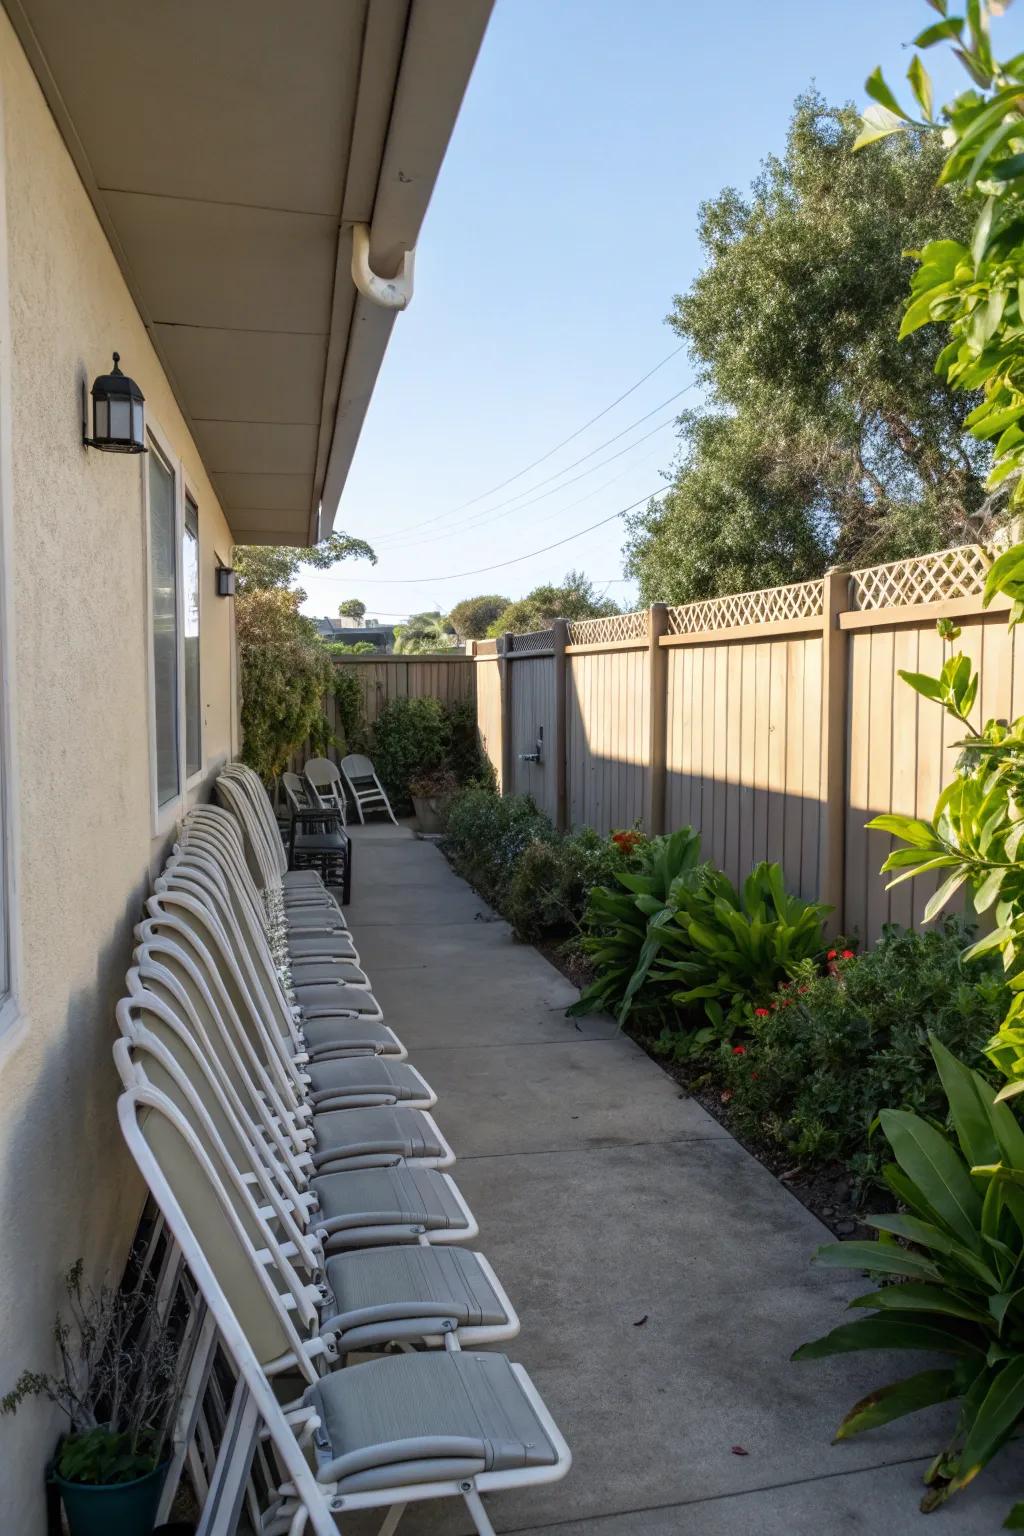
739,1050
625,842
831,954
847,954
762,1013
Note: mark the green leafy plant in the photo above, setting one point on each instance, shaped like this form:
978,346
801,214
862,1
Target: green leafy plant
682,935
736,946
631,920
952,1263
973,287
828,1052
117,1382
413,738
487,834
550,882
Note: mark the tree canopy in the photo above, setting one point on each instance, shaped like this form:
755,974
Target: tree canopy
574,599
472,618
263,566
824,438
285,670
352,608
424,632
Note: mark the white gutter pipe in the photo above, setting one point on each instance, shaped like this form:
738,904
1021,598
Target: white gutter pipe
388,292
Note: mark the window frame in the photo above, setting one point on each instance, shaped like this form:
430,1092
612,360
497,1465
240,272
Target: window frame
164,817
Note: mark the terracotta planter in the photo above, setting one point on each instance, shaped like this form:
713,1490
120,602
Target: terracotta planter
431,811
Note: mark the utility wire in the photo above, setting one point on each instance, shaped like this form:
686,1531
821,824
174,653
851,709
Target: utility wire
414,581
497,512
486,516
552,451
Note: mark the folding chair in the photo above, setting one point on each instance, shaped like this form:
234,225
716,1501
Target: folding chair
399,1204
364,786
415,1295
384,1434
324,778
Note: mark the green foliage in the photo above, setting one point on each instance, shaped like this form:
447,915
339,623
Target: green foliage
829,1052
119,1363
424,633
972,283
487,834
350,711
974,836
683,937
101,1458
285,672
574,599
264,566
547,891
419,738
953,1281
472,618
360,648
824,439
352,608
285,669
539,879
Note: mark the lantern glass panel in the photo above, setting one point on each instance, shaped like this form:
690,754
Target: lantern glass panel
101,419
120,420
137,426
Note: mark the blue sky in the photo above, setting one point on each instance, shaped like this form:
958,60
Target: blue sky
563,223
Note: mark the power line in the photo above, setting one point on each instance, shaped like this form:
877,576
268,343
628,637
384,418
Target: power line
415,581
497,512
552,451
480,519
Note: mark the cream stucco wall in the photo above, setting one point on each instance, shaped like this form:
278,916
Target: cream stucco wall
80,745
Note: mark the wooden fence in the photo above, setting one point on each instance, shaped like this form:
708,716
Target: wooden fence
446,676
775,722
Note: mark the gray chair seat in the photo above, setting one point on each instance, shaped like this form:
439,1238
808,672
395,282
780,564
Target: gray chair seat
315,976
301,880
317,946
385,1295
382,1131
416,1418
319,1000
300,919
362,1076
331,1032
370,1206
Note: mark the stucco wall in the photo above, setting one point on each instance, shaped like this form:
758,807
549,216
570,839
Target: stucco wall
80,746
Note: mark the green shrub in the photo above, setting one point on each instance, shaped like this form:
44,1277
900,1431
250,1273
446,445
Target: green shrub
830,1051
466,757
550,882
682,937
417,738
951,1266
487,834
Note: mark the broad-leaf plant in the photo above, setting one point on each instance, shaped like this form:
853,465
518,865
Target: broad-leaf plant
957,1251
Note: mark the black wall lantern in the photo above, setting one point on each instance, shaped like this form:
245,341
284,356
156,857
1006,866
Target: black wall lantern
225,581
117,414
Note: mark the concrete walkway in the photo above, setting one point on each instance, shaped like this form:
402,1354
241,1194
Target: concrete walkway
661,1274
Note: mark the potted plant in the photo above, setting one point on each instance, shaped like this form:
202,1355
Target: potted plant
431,796
118,1386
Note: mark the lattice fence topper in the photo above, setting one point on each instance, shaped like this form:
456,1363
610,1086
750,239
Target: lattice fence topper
803,600
958,572
536,640
619,626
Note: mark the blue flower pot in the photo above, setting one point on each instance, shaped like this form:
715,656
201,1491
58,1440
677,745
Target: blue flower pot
113,1509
